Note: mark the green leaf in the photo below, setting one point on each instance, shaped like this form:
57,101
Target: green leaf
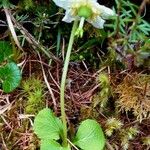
6,4
52,145
90,136
5,51
10,76
47,126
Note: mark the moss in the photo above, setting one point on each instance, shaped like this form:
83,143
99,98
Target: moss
134,95
34,94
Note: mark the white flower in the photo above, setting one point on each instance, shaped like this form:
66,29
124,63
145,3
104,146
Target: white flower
91,10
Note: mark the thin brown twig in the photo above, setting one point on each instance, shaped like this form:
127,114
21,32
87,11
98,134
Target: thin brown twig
4,144
54,80
48,85
109,146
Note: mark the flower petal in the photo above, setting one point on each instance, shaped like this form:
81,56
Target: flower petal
97,23
64,3
68,17
93,0
105,12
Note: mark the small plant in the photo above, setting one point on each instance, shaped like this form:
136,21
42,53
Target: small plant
130,34
105,89
49,128
126,135
146,141
112,125
129,23
10,74
102,97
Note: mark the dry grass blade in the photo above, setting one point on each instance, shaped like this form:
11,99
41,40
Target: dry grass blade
11,27
48,85
6,104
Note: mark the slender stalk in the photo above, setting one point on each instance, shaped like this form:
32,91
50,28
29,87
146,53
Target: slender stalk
63,82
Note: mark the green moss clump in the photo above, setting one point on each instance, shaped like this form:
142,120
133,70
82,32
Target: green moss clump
34,93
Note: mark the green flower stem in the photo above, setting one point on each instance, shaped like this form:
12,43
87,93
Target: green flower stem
81,22
79,31
63,82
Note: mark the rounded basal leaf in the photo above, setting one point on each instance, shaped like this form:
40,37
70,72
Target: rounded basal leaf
5,51
10,77
47,126
52,145
90,136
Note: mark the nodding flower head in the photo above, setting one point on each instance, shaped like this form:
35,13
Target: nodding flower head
90,10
